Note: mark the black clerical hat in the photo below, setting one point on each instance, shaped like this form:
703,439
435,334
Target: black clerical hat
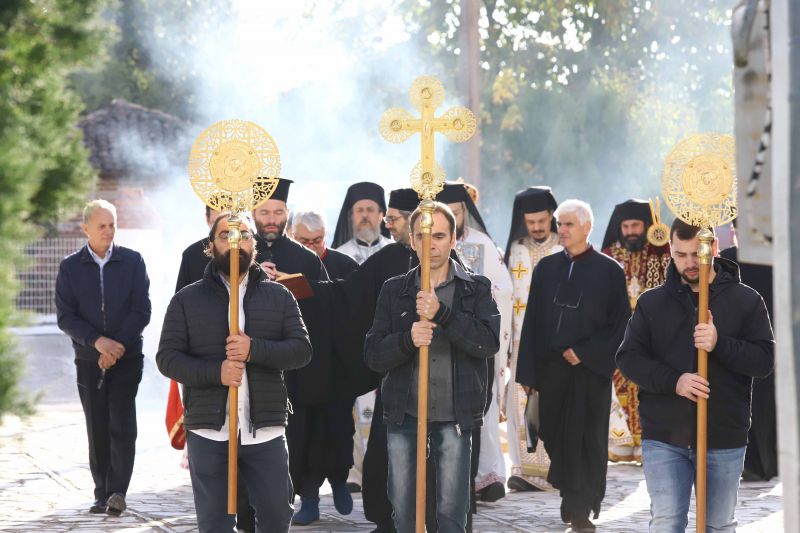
632,209
281,190
364,190
455,192
531,200
404,199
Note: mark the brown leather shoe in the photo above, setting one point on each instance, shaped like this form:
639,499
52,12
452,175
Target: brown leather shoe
582,525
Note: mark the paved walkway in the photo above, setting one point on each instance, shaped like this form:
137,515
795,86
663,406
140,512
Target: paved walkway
45,484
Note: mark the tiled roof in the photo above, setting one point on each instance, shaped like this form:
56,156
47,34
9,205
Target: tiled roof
133,142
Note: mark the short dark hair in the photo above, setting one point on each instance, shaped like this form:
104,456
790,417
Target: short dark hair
685,232
438,207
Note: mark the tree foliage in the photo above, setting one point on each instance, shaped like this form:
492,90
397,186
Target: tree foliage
44,167
587,96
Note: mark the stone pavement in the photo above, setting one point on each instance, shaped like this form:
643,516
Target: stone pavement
45,484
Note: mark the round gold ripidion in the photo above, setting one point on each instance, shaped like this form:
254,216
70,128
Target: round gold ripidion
234,165
658,234
427,184
699,180
424,90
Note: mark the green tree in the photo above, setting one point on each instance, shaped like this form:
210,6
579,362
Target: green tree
148,50
587,96
44,168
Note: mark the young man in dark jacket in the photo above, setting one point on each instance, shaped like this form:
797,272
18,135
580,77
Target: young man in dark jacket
103,305
659,353
197,351
462,335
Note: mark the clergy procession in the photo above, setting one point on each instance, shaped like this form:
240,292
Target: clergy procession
420,364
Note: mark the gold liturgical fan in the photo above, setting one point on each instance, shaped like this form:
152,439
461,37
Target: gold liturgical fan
699,186
234,167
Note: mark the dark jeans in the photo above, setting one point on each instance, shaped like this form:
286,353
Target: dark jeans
450,451
265,471
110,413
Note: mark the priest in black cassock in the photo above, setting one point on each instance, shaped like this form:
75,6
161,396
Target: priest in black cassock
194,258
574,322
312,388
761,457
360,229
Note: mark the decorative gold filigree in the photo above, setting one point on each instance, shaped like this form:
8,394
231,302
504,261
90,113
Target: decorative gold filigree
426,89
427,184
699,180
461,124
392,125
234,165
457,124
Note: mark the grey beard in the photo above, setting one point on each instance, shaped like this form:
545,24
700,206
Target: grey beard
367,234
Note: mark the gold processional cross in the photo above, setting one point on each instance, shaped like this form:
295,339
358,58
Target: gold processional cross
427,179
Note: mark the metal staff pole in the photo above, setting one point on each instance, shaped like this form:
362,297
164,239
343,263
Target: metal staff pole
704,254
426,223
234,237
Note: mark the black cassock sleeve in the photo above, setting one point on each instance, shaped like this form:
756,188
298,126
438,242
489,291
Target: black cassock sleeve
597,350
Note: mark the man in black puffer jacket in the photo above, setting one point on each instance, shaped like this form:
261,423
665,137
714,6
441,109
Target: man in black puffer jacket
659,353
197,351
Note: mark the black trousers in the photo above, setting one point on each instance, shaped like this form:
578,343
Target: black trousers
320,441
110,413
264,468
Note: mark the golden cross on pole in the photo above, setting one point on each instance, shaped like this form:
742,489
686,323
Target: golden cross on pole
519,270
427,179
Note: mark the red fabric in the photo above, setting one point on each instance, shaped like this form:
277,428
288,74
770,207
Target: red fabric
174,418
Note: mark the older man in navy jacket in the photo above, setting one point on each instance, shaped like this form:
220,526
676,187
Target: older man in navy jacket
103,305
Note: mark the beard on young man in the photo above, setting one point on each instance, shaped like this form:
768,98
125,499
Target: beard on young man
223,261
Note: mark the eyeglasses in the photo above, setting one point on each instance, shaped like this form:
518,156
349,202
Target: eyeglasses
246,235
566,298
391,220
308,242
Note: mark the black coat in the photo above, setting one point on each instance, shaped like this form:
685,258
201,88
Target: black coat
472,326
312,384
659,348
579,303
761,459
192,348
193,264
120,311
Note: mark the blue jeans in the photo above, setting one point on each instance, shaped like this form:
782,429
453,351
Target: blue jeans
670,473
450,449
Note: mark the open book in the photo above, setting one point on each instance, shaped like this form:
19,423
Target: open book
297,284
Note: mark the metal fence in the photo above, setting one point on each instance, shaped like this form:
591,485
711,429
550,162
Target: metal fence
38,279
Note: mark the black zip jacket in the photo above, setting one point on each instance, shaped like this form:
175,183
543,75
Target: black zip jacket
192,348
119,310
472,325
659,346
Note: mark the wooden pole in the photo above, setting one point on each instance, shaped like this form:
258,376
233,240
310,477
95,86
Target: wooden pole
234,236
704,254
422,388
